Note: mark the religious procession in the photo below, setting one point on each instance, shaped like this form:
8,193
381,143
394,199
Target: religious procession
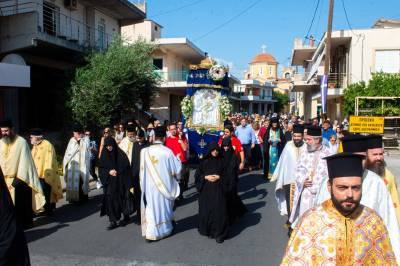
119,146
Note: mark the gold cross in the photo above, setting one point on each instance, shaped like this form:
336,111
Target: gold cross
153,159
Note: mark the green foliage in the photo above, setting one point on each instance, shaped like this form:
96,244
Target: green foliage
112,82
381,84
282,100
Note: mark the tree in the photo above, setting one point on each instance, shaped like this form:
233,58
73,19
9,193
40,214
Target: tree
282,100
113,82
381,84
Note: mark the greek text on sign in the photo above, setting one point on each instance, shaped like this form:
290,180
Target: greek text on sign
366,124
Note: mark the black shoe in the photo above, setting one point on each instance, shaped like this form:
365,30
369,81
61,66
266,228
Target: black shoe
123,223
112,226
219,240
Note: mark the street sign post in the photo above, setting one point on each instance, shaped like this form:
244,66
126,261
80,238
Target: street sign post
366,124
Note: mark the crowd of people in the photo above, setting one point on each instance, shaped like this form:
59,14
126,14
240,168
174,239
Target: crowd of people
333,186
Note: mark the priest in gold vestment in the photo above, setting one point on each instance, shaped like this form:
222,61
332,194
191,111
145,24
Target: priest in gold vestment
341,231
44,156
376,163
20,175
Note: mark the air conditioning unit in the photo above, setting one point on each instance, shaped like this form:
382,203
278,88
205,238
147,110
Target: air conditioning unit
71,4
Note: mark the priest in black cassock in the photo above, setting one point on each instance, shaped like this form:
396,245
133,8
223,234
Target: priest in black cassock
140,144
213,215
235,206
114,170
13,247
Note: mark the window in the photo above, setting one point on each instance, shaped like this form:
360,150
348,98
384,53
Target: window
387,61
101,31
261,71
158,63
51,18
287,75
270,71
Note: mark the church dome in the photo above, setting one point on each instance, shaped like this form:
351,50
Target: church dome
264,58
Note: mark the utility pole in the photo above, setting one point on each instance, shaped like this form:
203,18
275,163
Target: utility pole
327,57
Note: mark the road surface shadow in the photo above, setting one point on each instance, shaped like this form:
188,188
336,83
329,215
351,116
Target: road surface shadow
187,224
250,219
63,216
35,234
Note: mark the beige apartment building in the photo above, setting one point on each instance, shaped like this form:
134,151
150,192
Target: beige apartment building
51,38
355,55
172,59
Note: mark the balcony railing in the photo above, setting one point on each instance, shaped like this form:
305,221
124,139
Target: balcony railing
172,76
52,22
337,80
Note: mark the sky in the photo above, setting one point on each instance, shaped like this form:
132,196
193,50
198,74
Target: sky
234,31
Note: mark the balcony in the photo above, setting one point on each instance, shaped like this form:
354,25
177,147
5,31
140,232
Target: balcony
26,24
173,79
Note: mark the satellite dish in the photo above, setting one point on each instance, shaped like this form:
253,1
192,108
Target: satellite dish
14,59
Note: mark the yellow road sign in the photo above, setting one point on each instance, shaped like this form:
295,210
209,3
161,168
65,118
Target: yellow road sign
366,124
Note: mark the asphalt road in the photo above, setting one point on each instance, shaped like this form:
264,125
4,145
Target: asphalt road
77,235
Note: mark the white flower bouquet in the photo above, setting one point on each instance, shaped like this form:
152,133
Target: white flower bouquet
225,107
187,106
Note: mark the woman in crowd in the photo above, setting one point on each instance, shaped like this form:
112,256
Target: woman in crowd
213,217
119,133
114,171
235,206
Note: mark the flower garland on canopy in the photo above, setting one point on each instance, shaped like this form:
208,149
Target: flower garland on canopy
225,107
217,72
187,106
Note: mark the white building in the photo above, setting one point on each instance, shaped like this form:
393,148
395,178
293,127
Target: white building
355,56
52,38
253,96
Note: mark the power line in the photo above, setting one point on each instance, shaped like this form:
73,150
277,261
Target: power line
347,17
177,9
228,21
313,18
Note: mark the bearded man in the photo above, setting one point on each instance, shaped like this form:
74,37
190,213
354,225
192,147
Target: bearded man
44,156
310,172
376,163
341,231
20,175
285,171
375,194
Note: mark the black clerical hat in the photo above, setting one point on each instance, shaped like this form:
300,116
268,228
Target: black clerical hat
374,141
344,164
140,133
77,128
355,143
6,123
314,131
36,132
298,128
160,132
130,128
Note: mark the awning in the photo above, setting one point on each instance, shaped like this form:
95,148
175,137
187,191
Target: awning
12,75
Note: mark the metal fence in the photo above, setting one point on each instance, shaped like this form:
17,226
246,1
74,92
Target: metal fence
51,21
